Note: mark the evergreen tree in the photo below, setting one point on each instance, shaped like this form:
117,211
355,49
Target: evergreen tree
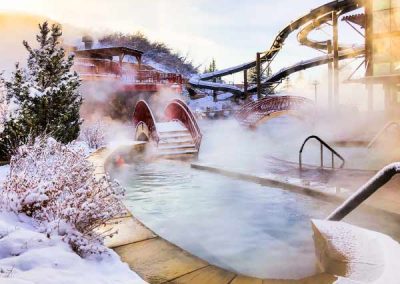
252,78
46,94
212,67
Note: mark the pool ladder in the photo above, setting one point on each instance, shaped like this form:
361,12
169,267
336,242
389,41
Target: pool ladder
365,191
322,144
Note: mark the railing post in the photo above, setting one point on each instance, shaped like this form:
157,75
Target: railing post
333,161
322,155
300,162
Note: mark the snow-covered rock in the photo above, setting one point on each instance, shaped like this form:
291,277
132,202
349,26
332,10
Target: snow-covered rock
358,255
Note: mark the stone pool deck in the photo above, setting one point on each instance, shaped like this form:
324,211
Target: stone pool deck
158,261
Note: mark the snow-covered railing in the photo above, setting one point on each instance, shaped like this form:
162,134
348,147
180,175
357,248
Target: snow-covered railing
365,191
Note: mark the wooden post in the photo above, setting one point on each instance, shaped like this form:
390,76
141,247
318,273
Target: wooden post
245,83
139,60
258,72
335,59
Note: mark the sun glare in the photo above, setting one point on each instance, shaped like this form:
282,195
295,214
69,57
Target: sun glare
19,5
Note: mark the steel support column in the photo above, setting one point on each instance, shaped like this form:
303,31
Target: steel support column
258,72
330,76
368,54
245,83
335,59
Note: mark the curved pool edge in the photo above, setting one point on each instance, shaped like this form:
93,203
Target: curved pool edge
303,186
157,260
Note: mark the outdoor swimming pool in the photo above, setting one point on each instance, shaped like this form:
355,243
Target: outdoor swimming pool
242,226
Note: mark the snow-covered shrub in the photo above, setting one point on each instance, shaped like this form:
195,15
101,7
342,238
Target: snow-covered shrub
93,134
55,185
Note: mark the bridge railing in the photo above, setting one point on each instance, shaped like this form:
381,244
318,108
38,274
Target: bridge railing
365,191
322,145
271,104
178,110
143,114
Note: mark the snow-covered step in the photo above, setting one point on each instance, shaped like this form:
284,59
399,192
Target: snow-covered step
171,126
180,146
181,134
175,141
170,152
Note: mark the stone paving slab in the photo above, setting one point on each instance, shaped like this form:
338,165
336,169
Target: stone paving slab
208,274
246,280
158,261
129,231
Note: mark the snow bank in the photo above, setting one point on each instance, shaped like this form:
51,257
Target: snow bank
27,256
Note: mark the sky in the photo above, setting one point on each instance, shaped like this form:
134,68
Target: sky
230,31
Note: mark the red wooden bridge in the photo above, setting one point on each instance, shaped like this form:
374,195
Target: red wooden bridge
257,112
176,135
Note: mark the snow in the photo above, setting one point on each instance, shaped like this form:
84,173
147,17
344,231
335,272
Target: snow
35,93
170,126
207,102
27,256
370,257
158,66
83,147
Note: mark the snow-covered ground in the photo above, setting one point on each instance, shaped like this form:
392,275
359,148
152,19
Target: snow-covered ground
27,256
208,103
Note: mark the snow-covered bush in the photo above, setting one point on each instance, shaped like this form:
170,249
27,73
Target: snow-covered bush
93,134
55,185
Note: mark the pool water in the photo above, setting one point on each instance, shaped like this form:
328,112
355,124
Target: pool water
245,227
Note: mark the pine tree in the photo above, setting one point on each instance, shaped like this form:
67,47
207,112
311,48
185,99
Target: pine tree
212,67
252,78
46,93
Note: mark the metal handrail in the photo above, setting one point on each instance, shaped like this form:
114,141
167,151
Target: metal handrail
322,143
383,131
365,191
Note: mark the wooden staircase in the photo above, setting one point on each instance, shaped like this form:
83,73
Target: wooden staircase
175,141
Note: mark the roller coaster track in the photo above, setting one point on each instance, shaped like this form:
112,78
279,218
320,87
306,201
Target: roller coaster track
312,20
